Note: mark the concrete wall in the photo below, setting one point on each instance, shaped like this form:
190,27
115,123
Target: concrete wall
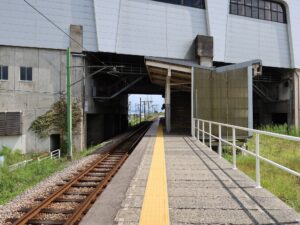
34,98
14,142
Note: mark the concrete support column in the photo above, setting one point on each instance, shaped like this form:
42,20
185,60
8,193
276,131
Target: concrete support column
168,101
297,97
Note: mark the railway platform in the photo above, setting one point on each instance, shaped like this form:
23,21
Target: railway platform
175,179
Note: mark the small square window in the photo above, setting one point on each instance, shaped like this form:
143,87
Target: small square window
191,3
255,3
248,11
261,14
268,15
178,2
280,17
26,73
233,9
241,1
3,72
274,6
241,10
248,2
255,13
274,16
261,4
267,5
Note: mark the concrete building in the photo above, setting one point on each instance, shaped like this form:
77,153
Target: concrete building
143,46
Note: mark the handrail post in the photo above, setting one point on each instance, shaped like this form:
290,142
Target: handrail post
220,142
210,135
234,148
257,161
198,130
203,134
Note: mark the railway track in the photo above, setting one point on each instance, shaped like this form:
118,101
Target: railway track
71,201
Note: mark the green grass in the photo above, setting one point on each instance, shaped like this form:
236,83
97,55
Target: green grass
286,153
12,157
16,182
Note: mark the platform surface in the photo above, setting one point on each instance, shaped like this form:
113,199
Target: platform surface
201,189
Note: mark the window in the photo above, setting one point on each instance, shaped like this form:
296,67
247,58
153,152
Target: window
26,73
3,72
259,9
192,3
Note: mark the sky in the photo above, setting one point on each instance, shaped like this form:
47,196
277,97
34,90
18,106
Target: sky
157,101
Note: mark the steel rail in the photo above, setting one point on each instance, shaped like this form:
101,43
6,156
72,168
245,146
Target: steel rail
113,159
33,212
93,196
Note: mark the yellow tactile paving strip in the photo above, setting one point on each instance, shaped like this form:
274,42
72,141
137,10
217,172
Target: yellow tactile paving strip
155,210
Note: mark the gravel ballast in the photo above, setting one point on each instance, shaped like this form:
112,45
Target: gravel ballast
42,189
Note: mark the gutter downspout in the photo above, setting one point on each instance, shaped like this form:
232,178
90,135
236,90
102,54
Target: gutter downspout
297,97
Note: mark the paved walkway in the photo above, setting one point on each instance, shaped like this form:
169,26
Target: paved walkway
203,189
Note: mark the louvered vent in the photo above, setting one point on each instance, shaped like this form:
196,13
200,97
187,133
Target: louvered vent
10,123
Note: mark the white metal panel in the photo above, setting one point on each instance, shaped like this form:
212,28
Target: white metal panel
182,27
249,38
294,31
142,28
146,27
217,13
107,19
21,26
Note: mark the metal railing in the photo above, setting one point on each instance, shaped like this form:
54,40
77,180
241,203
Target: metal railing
199,127
53,155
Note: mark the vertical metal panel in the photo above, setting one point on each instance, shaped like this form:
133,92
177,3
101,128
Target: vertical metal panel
293,8
148,28
222,97
21,26
217,13
264,40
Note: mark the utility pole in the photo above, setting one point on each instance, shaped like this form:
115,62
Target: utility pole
69,107
148,110
144,110
140,110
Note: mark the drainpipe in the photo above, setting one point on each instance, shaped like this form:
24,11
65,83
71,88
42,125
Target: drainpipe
297,96
168,102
